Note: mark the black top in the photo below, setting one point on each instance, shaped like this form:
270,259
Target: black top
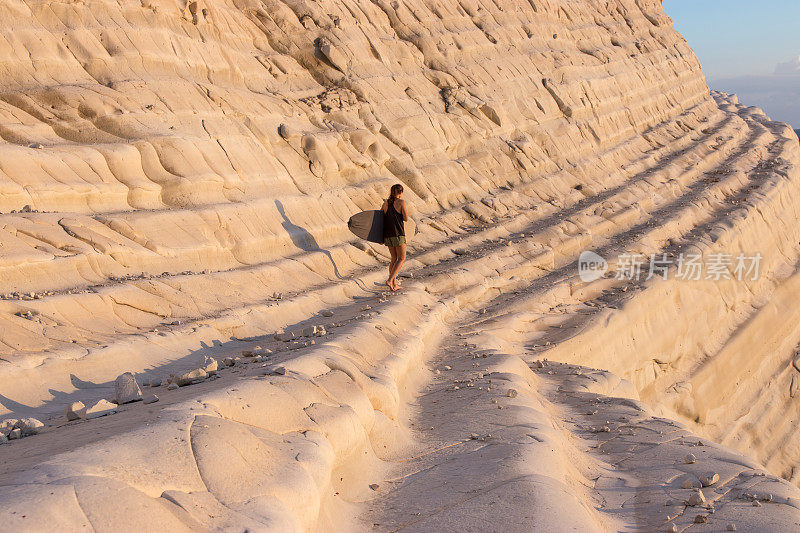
393,223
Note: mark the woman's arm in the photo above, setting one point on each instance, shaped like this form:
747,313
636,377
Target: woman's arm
403,210
385,206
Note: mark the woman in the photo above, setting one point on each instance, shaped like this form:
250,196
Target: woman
394,232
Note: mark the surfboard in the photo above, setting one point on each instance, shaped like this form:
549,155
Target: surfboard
368,225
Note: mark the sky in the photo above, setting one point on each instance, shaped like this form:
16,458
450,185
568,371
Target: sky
740,43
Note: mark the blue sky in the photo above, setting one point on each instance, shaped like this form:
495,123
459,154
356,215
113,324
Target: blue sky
739,44
738,37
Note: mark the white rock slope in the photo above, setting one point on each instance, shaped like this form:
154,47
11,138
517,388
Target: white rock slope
175,180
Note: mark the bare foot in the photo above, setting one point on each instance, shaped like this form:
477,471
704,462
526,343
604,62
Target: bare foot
393,285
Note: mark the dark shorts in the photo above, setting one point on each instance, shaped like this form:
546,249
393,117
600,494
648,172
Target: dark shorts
395,241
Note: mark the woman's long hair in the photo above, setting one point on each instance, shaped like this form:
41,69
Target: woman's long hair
394,192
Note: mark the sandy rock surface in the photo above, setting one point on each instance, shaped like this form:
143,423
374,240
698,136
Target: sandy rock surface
175,182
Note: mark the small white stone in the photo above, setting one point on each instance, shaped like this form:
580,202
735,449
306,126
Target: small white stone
709,479
448,367
29,426
285,336
126,389
150,398
101,408
696,498
210,365
194,376
75,411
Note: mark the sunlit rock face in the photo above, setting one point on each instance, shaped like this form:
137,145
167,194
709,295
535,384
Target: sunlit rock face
177,174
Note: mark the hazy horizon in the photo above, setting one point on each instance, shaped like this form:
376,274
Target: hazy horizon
752,50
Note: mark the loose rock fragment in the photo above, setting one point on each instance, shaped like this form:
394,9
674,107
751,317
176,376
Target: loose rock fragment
195,376
709,480
172,386
75,411
730,527
29,426
696,498
101,408
285,336
690,459
210,365
326,313
700,519
228,361
150,398
126,389
512,393
374,486
155,382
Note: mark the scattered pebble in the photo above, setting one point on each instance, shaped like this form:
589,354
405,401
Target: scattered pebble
150,398
101,408
730,527
512,393
210,365
374,486
696,498
709,480
700,519
285,336
690,459
172,386
189,378
327,313
126,389
75,411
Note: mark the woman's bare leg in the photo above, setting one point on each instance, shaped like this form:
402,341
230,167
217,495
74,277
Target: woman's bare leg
400,252
393,254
